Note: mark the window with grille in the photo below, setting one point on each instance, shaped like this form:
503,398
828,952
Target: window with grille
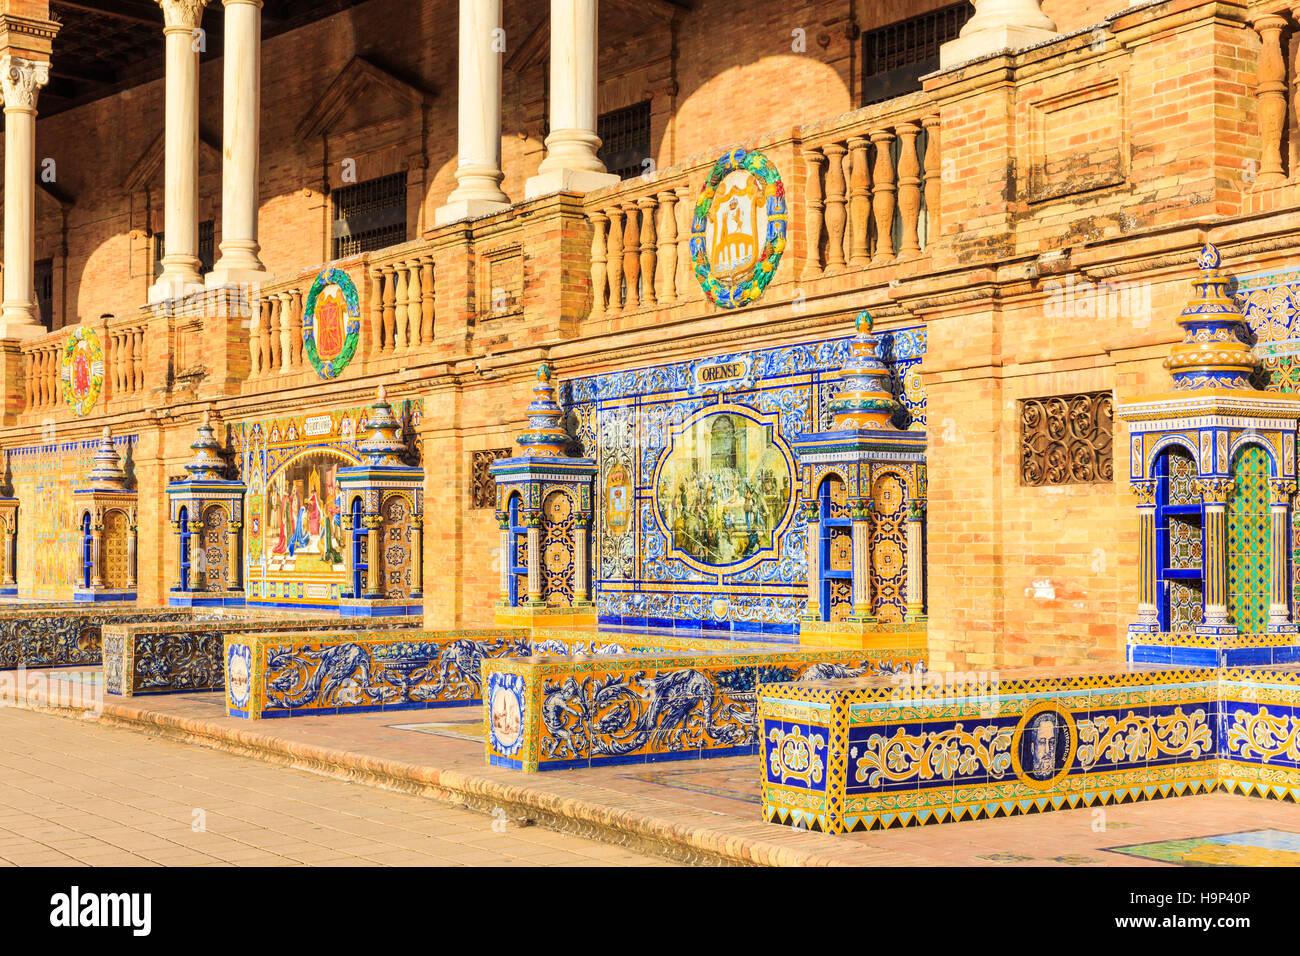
43,274
369,215
894,58
207,248
625,140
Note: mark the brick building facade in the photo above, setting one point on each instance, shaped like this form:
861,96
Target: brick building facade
1040,210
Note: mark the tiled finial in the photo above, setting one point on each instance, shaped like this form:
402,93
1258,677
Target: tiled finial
382,446
866,401
207,464
545,436
106,472
1214,352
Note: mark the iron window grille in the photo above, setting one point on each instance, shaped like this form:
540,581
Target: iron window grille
207,248
43,280
625,140
369,215
895,57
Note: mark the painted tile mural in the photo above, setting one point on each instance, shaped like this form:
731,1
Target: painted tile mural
697,484
298,528
43,478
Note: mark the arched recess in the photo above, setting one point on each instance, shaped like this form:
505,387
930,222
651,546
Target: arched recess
1250,532
1180,540
517,553
113,549
836,594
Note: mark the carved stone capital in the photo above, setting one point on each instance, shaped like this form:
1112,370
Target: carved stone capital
22,79
182,14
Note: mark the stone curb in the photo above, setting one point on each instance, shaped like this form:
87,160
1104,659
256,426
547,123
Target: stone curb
524,805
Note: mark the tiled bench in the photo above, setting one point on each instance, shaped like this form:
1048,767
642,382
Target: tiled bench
659,704
67,635
162,658
849,755
294,675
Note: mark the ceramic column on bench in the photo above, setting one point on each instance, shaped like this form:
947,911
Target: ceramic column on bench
862,447
391,492
106,513
553,491
1212,463
212,508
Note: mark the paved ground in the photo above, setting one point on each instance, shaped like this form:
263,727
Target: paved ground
73,792
697,809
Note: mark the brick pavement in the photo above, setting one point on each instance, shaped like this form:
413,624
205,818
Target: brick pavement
695,811
73,792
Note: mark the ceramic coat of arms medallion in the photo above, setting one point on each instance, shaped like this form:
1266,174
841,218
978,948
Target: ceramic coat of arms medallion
83,370
331,323
739,229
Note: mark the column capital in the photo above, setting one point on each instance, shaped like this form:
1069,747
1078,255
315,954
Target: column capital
1145,492
21,80
1214,491
1281,492
182,14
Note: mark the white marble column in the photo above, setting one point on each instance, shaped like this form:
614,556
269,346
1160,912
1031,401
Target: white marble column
417,558
241,116
21,80
996,26
478,115
180,272
571,164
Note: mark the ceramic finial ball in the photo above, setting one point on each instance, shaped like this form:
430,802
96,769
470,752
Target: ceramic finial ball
108,432
544,372
864,322
1209,257
207,416
381,394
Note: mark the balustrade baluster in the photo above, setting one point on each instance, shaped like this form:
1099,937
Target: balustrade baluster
400,305
137,353
686,285
859,201
286,334
599,222
835,214
882,197
813,212
417,302
376,310
909,190
666,268
632,256
649,254
1270,91
390,308
426,299
29,384
933,177
615,262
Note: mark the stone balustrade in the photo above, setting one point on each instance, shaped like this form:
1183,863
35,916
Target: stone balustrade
124,358
872,187
42,369
401,302
640,246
